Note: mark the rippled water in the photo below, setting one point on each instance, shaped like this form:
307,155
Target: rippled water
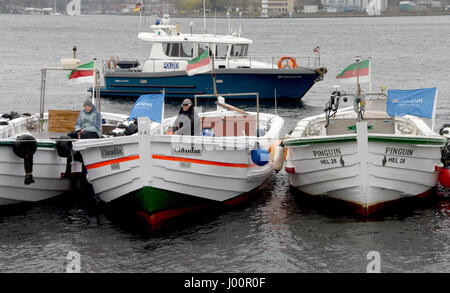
276,232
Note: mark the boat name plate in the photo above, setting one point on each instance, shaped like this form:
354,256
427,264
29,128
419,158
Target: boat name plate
182,149
111,152
289,76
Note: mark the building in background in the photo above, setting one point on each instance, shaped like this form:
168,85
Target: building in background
278,7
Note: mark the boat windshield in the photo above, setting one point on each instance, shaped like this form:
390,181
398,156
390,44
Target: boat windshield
221,51
239,50
178,49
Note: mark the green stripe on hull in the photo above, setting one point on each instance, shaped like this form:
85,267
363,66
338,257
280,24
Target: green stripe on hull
152,200
297,142
408,140
385,139
47,145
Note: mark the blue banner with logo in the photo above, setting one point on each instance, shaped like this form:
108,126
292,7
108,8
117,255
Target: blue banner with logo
150,106
419,102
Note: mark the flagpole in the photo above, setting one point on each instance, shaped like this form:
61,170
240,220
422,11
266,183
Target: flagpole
204,17
434,110
213,72
370,74
358,86
358,90
318,54
94,82
140,16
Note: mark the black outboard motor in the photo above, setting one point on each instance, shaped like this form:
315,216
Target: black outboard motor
332,106
24,147
64,149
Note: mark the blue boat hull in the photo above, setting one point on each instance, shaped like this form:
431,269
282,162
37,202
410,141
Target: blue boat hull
286,83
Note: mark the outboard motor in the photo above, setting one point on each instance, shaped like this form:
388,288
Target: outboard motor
332,106
24,147
64,149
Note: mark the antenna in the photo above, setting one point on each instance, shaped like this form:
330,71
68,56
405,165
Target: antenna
140,15
229,23
204,17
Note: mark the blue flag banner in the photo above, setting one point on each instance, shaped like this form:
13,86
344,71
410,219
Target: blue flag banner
419,102
150,106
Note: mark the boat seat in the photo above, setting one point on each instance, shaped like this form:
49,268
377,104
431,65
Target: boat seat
62,120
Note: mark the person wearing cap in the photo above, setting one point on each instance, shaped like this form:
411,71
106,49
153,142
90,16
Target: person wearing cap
89,122
188,121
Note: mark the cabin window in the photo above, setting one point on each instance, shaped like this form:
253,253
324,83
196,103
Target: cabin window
239,50
178,49
221,51
187,50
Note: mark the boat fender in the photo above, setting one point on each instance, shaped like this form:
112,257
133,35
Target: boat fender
24,147
321,71
64,149
272,149
278,157
444,177
260,156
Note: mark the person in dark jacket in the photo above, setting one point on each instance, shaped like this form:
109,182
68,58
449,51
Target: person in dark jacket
89,123
188,121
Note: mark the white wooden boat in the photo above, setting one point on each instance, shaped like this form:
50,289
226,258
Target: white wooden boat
172,175
34,163
366,162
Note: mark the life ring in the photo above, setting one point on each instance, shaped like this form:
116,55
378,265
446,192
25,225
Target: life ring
112,62
287,62
108,64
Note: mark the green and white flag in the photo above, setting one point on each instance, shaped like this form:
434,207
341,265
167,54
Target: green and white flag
348,75
85,76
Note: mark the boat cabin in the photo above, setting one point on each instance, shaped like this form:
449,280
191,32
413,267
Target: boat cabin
171,49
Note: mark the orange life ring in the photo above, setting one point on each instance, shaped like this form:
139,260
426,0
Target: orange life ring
289,62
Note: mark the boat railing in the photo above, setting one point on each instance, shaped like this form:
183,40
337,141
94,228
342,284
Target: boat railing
230,62
301,61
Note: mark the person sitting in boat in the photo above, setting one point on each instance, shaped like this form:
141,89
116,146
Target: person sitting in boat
89,123
188,121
